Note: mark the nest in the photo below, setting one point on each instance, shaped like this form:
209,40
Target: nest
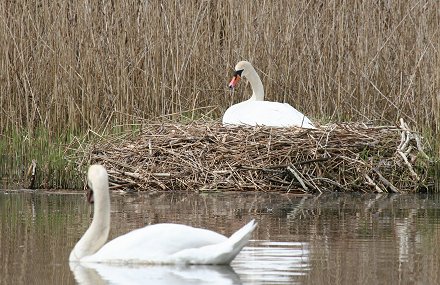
209,156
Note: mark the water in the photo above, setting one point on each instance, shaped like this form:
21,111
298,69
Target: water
331,239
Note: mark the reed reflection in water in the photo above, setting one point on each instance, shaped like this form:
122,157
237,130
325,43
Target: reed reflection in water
331,239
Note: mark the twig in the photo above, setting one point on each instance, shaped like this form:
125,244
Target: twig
371,182
410,168
386,182
292,169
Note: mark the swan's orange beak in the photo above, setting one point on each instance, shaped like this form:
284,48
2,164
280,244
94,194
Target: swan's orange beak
235,79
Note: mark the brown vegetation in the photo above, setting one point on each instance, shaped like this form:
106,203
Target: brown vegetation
206,157
79,65
73,66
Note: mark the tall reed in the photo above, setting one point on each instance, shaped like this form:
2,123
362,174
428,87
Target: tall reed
80,63
75,65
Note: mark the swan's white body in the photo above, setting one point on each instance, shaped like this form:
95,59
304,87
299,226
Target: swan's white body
156,244
256,111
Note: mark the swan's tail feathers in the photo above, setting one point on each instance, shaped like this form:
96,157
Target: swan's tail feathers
219,254
230,248
239,239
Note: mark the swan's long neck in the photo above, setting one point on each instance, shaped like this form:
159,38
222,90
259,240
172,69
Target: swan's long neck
96,235
256,85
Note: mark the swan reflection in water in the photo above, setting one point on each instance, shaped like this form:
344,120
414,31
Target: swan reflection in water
262,262
101,273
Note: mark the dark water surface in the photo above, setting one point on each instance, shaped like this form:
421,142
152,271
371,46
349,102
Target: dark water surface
330,239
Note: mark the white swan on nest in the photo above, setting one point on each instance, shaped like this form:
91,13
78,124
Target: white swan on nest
256,111
155,244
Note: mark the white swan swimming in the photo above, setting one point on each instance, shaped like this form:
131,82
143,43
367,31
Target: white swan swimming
256,111
155,244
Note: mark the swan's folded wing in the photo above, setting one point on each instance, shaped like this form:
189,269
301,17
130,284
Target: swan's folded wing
154,244
265,113
220,253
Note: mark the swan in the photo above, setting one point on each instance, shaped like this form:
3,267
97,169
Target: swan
256,111
155,244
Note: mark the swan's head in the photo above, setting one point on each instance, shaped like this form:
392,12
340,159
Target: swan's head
96,235
97,180
242,69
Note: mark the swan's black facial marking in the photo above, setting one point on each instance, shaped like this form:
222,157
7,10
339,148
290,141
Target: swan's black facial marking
238,72
235,79
90,194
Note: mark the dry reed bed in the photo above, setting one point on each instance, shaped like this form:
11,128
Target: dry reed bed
75,64
208,156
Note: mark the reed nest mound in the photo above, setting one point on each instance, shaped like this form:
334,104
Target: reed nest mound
208,156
